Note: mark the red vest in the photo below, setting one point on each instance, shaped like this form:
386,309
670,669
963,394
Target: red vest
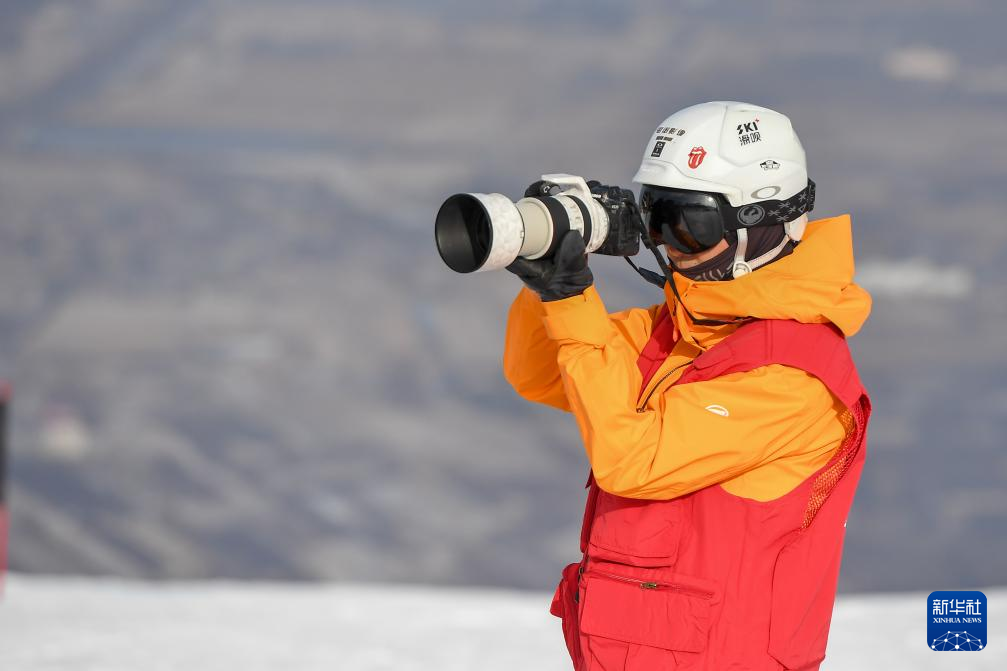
711,580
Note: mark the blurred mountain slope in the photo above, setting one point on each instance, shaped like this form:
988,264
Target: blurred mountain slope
236,353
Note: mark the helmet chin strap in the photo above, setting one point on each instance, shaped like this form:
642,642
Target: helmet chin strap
741,267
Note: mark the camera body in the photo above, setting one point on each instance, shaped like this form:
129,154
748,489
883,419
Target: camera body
477,231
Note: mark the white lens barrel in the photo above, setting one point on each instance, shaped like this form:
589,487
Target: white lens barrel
574,214
599,223
537,228
507,230
599,233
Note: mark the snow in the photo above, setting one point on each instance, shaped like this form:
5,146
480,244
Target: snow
84,624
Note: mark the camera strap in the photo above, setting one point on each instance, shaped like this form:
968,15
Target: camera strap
656,279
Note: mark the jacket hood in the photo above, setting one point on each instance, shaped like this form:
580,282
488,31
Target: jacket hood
813,285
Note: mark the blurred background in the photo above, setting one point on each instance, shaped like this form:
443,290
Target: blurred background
235,352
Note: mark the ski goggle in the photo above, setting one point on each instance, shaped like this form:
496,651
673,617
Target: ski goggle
694,221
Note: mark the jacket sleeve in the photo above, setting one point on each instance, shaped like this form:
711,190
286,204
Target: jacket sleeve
530,355
690,436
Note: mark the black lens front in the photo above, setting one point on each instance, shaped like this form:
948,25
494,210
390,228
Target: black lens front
689,221
464,233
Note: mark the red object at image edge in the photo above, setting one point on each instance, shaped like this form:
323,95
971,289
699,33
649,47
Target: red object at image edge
5,395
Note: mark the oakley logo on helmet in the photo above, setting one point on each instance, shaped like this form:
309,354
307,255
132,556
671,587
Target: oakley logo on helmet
751,215
696,157
765,192
770,165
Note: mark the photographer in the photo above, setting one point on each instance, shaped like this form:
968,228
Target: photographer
725,426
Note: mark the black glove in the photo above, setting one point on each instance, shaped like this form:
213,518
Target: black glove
564,275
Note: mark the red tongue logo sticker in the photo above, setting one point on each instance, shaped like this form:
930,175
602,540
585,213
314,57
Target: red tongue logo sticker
696,157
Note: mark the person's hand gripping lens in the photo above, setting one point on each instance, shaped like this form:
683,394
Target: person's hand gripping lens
566,272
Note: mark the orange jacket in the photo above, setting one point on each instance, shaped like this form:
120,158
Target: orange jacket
759,434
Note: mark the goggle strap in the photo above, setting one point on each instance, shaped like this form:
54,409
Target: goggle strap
657,279
775,211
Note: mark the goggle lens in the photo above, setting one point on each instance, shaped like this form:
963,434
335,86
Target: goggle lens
689,221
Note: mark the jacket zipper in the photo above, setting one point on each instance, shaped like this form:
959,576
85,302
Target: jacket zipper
645,584
642,407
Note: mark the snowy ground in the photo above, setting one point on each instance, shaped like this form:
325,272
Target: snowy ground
85,624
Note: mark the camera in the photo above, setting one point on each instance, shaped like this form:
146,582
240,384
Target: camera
487,231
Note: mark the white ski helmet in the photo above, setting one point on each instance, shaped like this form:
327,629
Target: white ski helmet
745,152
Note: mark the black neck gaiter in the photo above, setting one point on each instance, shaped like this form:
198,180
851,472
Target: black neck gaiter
761,239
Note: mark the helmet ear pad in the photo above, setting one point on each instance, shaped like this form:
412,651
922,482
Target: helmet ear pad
795,228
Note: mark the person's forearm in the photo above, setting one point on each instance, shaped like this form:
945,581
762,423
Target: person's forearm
529,360
602,381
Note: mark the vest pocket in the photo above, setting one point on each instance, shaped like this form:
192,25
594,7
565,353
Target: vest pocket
653,608
639,532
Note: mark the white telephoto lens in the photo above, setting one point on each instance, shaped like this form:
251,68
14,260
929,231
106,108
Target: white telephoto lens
476,232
